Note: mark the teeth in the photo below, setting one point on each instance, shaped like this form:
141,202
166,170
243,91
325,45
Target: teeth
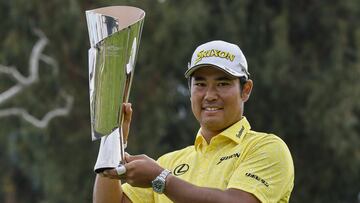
211,109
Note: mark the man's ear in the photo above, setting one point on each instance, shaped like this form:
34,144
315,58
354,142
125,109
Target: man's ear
246,90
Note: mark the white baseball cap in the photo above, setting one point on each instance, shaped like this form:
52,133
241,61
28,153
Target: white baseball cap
219,54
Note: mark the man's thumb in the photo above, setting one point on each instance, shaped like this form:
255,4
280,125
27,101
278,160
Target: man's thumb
130,158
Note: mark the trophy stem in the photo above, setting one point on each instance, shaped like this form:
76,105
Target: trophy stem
122,146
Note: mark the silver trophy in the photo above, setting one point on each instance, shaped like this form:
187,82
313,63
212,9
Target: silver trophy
114,34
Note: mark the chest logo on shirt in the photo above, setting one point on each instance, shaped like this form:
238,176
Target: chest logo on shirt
235,155
181,169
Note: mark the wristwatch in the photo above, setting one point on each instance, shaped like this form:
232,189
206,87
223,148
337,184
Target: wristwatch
158,184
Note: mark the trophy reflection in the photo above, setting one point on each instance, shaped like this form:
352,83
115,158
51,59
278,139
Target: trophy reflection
114,34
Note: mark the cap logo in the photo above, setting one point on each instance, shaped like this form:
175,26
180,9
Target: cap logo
214,53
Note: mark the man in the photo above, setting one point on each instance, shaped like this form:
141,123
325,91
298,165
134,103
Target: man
227,163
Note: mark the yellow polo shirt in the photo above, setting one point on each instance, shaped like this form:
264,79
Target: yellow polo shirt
238,157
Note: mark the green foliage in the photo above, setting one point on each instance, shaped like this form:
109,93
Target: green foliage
304,59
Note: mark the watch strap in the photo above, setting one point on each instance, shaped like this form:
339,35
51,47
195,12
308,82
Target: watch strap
159,183
164,174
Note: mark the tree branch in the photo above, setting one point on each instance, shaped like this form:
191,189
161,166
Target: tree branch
22,82
40,123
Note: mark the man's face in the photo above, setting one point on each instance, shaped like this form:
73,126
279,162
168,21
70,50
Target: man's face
216,99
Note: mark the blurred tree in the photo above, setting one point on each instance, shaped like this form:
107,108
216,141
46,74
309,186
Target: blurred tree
45,165
303,57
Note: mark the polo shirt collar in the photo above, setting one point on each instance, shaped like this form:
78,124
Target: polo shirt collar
234,133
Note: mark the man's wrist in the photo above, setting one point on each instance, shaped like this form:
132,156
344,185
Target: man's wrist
159,183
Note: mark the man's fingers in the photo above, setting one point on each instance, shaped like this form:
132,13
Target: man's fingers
130,158
110,173
127,112
113,174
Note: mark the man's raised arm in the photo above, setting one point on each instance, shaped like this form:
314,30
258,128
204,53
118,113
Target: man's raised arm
108,190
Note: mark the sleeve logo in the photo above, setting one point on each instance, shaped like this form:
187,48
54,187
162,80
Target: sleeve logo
257,178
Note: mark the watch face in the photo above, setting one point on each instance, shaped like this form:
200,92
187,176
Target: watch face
158,185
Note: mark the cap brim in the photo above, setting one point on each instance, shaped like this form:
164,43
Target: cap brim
191,70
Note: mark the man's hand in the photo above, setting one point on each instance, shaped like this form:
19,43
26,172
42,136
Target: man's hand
140,171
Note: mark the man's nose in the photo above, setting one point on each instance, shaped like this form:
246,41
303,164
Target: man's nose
211,93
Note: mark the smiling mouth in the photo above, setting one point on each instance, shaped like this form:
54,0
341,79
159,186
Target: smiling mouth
212,108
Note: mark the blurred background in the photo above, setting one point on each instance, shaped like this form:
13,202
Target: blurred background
303,56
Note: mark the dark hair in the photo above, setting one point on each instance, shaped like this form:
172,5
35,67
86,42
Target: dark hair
242,81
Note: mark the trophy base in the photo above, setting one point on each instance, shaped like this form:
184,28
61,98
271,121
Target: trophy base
109,152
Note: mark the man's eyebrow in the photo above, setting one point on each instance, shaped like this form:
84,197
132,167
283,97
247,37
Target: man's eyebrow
221,78
225,78
198,78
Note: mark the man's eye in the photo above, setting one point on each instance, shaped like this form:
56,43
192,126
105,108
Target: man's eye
199,84
223,84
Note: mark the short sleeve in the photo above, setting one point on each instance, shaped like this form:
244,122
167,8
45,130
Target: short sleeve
138,195
266,170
